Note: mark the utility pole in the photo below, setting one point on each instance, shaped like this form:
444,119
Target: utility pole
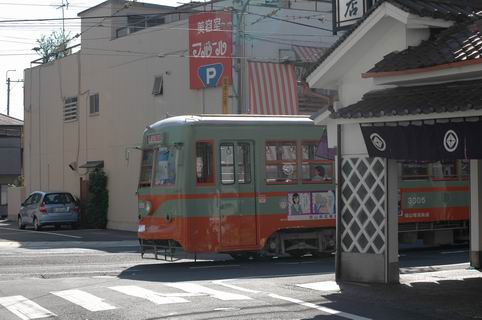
62,6
240,7
8,89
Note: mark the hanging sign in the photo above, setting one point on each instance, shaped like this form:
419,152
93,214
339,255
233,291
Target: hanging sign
210,49
426,142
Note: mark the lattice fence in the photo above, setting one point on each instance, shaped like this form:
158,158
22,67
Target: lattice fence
363,213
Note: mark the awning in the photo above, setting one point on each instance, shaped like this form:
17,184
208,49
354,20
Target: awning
92,164
272,88
425,141
308,54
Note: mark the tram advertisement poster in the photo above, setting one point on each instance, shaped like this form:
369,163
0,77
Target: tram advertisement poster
311,205
210,49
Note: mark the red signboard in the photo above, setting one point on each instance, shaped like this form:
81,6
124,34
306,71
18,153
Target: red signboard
210,49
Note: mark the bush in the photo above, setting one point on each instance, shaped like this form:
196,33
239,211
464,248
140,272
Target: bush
98,200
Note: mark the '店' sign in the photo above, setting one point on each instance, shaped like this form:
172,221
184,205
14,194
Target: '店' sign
210,49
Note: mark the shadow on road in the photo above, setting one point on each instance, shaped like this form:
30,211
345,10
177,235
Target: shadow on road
228,269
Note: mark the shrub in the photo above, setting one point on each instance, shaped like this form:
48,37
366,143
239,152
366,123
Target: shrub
98,200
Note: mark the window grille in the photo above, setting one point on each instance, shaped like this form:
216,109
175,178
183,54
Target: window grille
70,109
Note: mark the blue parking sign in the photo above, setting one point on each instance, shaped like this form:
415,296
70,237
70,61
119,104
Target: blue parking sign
210,74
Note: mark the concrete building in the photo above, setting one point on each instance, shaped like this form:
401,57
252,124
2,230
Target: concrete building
90,108
409,76
10,157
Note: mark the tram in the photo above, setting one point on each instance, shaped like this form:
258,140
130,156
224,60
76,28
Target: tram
237,184
244,185
434,202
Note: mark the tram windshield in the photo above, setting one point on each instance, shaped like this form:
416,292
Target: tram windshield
158,167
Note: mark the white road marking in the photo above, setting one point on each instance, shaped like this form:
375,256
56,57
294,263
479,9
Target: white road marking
222,283
320,308
220,266
217,294
24,308
453,252
84,299
324,286
43,232
150,295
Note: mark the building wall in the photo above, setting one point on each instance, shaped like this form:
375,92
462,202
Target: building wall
122,71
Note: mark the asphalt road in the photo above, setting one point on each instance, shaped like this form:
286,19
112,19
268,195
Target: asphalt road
98,274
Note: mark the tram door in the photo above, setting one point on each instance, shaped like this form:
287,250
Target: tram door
237,205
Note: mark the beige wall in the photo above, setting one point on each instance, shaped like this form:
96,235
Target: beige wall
15,197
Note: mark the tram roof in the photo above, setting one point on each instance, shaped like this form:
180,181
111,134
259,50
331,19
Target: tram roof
243,119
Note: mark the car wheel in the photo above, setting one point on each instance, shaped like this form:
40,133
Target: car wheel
20,223
36,225
75,226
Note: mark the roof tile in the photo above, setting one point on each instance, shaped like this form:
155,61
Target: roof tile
446,97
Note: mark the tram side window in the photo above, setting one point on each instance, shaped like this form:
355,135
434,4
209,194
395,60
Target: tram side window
465,168
165,172
414,171
444,170
281,162
226,151
315,169
243,163
204,162
146,168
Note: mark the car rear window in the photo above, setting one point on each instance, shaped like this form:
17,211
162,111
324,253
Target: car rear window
58,198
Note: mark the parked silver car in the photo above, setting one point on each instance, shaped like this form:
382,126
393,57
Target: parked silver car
49,208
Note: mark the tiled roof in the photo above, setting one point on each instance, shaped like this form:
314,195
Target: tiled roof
401,101
460,42
453,10
9,121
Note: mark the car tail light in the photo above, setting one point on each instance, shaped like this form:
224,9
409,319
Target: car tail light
76,209
42,208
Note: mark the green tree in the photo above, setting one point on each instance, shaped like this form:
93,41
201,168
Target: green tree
98,200
54,46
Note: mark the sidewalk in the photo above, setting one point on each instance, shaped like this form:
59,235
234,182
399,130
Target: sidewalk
444,294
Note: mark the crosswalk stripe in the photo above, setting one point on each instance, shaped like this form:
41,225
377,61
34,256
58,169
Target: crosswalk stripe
150,295
84,299
324,286
196,288
24,308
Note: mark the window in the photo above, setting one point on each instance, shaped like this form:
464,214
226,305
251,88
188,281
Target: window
58,198
281,162
226,152
204,162
146,168
158,86
464,168
165,173
414,171
243,163
3,194
315,169
70,109
94,103
444,170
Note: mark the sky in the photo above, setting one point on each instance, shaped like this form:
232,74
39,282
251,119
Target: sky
17,39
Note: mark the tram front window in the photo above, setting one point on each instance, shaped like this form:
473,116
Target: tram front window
165,171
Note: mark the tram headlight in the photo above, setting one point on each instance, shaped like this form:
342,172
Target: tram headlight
141,228
148,207
144,207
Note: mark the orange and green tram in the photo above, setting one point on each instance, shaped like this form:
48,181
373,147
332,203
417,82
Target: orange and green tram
237,184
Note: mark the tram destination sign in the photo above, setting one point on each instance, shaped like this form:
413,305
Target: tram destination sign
425,142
